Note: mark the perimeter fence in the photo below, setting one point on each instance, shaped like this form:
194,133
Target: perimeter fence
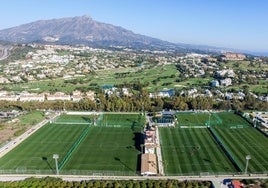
122,173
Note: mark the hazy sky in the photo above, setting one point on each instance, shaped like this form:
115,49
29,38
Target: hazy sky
241,24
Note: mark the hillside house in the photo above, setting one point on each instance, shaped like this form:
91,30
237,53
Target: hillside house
215,83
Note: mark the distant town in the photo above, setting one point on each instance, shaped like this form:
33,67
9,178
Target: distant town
47,62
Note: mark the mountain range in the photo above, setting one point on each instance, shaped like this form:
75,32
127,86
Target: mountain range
80,30
83,30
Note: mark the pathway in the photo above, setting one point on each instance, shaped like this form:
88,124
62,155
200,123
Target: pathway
158,153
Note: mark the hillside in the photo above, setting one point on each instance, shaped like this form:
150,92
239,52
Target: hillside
81,30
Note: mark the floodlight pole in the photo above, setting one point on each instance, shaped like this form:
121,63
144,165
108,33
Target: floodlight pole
209,118
247,158
56,156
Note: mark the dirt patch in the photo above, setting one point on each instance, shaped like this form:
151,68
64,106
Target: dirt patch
8,131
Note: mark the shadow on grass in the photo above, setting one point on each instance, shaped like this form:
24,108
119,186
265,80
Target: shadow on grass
122,163
48,164
86,119
138,138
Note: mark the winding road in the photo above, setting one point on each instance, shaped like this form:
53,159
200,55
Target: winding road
4,51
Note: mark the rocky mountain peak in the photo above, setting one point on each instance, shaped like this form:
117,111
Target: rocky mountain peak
78,30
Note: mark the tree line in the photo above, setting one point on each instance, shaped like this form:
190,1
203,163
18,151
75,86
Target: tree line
57,182
140,102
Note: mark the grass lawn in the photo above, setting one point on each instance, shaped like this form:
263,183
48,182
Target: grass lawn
80,147
241,142
108,149
159,74
65,118
31,118
196,119
35,153
231,119
191,152
124,119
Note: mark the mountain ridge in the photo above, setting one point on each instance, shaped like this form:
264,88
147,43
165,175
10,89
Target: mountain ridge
83,30
79,30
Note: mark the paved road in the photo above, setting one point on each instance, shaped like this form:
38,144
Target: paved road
218,179
4,51
158,153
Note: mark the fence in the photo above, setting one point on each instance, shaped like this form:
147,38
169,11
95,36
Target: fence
226,150
120,173
251,122
69,172
218,119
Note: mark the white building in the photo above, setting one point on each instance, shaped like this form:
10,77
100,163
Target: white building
226,82
77,96
4,80
32,97
58,96
9,97
90,95
215,83
225,73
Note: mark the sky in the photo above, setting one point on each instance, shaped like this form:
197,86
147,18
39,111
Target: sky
238,24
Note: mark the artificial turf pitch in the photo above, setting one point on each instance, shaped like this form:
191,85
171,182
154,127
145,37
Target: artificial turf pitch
81,147
241,139
192,152
108,150
35,153
114,146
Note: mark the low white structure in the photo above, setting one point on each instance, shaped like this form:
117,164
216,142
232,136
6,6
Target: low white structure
59,96
32,97
226,82
9,97
149,148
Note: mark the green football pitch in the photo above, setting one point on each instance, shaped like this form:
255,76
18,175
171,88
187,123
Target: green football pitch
36,151
81,147
241,139
190,148
119,120
191,152
112,147
197,119
107,149
74,119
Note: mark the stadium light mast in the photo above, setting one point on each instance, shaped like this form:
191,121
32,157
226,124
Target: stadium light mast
247,158
56,156
209,120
